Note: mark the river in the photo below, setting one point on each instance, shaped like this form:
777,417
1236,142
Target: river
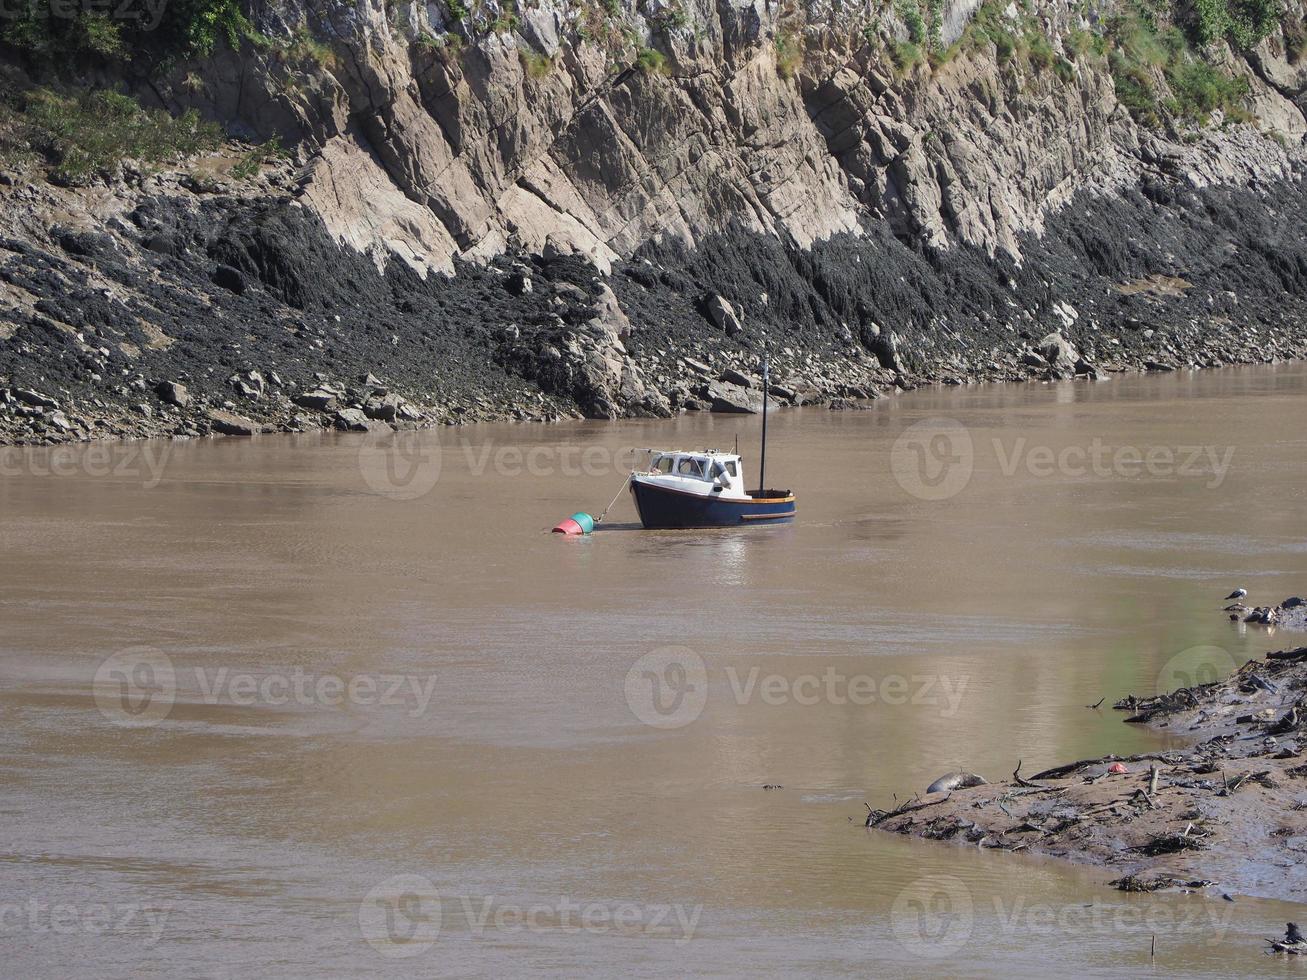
333,704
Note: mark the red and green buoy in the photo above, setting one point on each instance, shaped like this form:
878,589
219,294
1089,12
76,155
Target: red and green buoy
578,523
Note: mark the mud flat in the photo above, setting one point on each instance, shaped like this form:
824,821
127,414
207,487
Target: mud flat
1229,813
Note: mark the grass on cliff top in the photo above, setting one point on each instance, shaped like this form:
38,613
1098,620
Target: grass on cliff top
1156,50
82,134
1157,72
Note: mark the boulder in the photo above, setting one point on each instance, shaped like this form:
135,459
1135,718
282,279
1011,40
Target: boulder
34,398
609,312
732,376
229,279
732,399
248,388
351,420
382,409
723,315
173,393
1057,351
518,283
231,424
319,400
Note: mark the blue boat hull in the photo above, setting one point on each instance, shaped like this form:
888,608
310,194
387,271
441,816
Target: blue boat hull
660,507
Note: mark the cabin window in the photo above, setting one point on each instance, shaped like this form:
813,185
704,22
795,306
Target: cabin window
732,467
719,472
690,467
663,464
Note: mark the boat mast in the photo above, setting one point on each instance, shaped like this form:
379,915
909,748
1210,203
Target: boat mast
762,466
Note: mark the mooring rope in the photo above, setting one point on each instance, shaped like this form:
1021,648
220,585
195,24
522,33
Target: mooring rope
614,500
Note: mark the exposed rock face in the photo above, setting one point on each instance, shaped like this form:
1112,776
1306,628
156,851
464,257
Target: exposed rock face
532,223
432,139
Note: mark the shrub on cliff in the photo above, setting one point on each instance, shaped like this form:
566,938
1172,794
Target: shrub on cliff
174,30
86,133
1244,23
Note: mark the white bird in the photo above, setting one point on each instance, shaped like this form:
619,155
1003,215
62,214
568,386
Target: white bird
1236,594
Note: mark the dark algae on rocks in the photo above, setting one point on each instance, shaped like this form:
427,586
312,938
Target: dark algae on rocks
367,215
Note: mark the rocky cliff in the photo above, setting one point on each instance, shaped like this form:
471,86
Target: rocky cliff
434,212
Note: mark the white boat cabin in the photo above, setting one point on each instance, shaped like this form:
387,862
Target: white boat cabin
705,472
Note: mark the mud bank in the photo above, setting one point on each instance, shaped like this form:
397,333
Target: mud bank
1228,813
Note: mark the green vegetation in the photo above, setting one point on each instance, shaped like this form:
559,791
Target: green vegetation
1154,49
909,12
1198,89
252,162
304,48
789,53
179,29
906,56
1244,23
652,61
507,20
536,64
83,134
1142,46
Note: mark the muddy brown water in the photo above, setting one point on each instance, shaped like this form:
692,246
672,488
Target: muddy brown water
334,704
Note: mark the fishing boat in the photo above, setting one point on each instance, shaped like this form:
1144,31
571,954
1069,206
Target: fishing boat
706,488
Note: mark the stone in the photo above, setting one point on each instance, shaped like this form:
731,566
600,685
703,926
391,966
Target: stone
732,376
699,367
732,399
382,409
351,420
173,393
229,279
1057,351
723,315
34,398
318,399
231,424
